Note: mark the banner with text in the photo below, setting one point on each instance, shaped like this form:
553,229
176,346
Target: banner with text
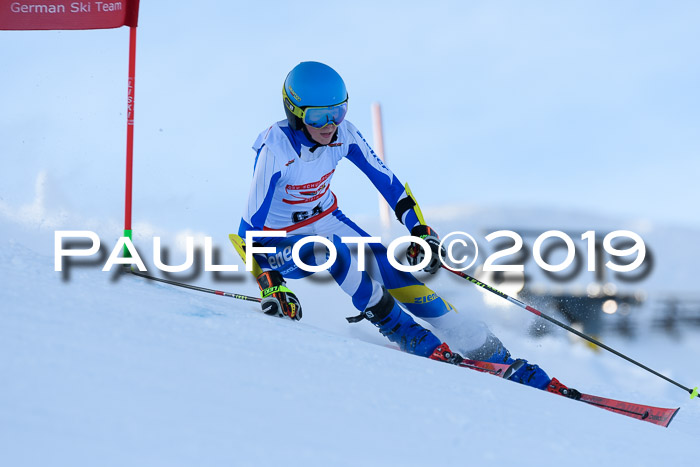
66,14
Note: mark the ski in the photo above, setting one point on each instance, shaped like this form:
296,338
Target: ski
646,413
501,370
656,415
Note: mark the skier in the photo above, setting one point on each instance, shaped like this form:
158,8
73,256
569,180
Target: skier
294,163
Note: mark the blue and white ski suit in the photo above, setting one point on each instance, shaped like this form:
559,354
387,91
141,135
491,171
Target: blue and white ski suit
291,191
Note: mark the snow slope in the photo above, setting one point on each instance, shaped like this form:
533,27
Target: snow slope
107,370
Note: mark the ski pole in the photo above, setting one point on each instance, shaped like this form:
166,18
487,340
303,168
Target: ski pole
194,287
693,392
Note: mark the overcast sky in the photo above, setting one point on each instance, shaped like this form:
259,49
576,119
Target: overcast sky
584,105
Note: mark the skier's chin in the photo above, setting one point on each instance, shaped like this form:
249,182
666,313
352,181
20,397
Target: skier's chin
322,136
325,139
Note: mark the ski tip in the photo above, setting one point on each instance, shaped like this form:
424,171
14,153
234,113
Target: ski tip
694,393
670,419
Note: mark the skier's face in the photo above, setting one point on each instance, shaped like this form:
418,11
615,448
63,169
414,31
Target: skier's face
323,135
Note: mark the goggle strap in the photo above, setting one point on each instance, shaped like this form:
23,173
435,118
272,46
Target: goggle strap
296,111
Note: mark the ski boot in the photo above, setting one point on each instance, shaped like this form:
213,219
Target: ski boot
526,373
522,371
398,326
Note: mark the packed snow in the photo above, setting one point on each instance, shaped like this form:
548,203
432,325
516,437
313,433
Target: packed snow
104,369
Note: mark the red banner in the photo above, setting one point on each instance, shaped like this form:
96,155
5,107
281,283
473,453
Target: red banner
66,14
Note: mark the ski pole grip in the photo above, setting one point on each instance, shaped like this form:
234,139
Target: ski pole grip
694,393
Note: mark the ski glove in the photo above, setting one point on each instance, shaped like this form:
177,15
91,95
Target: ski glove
415,253
277,299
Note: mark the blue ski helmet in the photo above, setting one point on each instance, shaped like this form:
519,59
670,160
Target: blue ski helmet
311,84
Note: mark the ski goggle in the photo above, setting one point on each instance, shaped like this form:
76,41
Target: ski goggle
318,117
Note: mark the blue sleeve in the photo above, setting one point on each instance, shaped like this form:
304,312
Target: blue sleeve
363,156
